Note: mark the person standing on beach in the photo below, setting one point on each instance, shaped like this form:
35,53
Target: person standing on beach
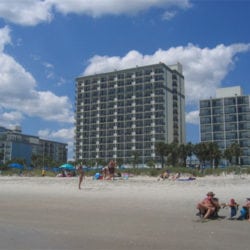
81,176
111,167
43,172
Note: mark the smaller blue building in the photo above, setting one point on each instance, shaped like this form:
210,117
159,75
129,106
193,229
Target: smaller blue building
15,145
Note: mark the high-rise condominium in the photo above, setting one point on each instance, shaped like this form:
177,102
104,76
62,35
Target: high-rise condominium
225,119
124,113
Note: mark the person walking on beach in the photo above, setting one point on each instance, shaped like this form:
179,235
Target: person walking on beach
81,176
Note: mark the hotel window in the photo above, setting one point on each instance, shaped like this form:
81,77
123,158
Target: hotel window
129,75
120,76
204,112
229,110
204,104
158,71
138,73
243,100
229,101
217,111
205,120
218,102
218,119
147,71
231,135
230,126
206,137
230,118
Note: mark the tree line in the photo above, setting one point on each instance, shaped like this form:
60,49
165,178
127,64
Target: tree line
173,154
177,154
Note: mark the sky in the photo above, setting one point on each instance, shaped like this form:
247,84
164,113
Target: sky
45,45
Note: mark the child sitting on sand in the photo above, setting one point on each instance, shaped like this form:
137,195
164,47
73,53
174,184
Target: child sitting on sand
233,205
244,212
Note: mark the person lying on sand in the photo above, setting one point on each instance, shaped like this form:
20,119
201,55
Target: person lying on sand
176,176
165,175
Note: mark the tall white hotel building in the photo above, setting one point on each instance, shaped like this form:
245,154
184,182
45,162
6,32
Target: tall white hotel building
122,112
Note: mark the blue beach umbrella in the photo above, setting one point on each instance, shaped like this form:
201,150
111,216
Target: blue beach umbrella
67,167
16,165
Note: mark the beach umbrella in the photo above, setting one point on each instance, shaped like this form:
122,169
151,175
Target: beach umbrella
67,166
16,165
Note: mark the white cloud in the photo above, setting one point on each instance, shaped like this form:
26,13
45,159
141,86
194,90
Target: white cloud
97,8
168,15
64,135
10,119
18,91
48,65
26,12
4,37
192,117
33,12
203,68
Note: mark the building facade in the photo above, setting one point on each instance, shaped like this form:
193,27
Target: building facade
128,111
225,119
14,144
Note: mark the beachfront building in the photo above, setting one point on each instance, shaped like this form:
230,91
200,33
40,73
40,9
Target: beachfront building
15,145
123,114
225,119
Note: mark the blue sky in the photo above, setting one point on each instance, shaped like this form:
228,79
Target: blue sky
45,45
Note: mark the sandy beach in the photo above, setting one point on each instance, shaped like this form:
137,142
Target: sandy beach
49,213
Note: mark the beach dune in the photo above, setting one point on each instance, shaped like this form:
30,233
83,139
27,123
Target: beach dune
46,213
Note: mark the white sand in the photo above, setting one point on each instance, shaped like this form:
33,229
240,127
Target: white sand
138,213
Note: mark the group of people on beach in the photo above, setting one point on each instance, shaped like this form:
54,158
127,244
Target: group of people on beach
108,172
210,206
166,175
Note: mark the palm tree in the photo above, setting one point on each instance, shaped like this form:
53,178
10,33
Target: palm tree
161,148
151,163
119,162
200,150
228,155
208,151
1,157
174,153
135,158
236,152
214,154
190,151
183,153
